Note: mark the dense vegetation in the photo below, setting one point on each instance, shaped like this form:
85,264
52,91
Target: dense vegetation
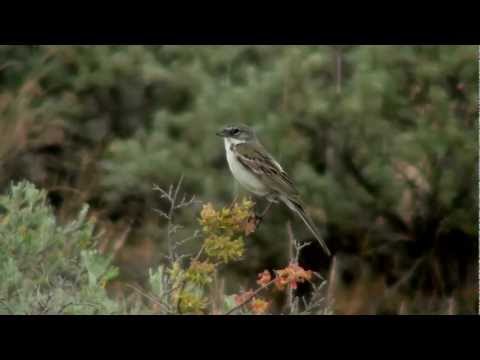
381,140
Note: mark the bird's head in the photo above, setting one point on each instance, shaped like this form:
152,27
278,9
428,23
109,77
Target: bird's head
237,133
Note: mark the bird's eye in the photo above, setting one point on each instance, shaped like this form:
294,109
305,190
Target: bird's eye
235,131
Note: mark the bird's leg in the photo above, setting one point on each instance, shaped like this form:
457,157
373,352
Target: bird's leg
266,209
259,218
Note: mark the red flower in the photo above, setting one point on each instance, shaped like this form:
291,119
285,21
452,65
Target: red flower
264,278
291,275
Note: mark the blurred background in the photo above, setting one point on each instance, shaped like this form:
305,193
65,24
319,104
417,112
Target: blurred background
381,140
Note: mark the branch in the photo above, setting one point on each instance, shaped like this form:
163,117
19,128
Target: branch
152,298
295,250
171,196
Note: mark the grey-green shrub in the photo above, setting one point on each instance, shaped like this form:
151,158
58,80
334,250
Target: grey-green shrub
45,267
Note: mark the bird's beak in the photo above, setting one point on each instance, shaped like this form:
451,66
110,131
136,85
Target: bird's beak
221,133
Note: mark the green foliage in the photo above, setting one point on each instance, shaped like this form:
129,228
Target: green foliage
223,248
200,273
47,268
224,230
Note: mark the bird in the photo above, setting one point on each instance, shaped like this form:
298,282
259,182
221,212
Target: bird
259,173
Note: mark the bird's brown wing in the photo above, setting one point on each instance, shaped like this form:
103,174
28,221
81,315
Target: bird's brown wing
255,158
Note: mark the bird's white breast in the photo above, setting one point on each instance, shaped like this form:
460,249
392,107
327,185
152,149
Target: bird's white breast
242,175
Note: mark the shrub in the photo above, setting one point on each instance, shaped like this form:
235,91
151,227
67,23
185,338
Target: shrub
189,284
45,267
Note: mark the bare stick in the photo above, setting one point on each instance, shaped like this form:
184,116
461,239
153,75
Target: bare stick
331,281
171,196
152,298
292,243
294,255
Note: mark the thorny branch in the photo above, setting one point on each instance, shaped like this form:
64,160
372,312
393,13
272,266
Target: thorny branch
317,301
295,250
174,204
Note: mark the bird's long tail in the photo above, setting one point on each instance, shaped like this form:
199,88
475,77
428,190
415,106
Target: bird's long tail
297,207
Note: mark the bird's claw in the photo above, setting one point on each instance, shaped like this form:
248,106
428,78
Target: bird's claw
258,219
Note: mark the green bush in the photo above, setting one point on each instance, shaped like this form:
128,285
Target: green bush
45,267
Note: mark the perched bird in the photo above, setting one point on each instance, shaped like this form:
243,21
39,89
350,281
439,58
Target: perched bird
256,170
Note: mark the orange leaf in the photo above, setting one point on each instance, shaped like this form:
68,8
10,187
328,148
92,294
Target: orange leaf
259,306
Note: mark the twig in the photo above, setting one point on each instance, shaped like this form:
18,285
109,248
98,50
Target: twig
62,309
406,277
121,241
199,253
148,296
161,213
171,196
295,249
292,255
295,245
182,286
195,235
317,299
332,281
233,201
